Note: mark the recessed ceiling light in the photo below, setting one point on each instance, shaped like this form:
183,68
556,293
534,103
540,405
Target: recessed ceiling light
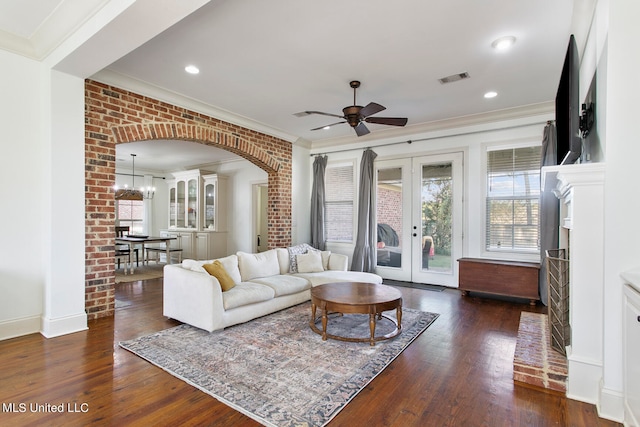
192,69
503,43
490,94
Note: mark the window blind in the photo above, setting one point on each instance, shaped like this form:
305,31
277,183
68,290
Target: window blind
513,191
339,197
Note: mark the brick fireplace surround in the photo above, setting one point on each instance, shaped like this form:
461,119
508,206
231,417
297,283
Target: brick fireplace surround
535,363
114,116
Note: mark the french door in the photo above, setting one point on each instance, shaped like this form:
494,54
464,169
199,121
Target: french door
419,216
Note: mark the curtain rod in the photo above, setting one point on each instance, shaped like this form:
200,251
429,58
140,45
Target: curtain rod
142,176
428,138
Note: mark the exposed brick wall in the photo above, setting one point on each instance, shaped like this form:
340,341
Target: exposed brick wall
114,116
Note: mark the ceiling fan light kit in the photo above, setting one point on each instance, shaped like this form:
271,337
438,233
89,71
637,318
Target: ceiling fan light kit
357,115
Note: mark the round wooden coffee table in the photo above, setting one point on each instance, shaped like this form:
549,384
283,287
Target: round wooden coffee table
356,298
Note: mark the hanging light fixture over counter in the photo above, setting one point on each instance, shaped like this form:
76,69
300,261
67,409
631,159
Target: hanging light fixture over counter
132,193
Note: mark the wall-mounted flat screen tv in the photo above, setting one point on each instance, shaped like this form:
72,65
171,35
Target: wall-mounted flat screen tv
569,142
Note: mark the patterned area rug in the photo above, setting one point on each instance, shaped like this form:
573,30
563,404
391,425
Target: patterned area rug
275,369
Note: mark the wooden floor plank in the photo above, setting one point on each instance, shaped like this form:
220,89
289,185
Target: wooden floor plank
458,372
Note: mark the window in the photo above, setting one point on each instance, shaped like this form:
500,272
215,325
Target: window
339,192
513,191
130,213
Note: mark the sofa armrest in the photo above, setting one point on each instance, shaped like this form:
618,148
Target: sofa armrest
338,262
192,297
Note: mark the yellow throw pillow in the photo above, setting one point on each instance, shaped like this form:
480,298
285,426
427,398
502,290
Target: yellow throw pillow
216,269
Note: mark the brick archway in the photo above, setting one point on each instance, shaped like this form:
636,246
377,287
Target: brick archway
197,133
114,116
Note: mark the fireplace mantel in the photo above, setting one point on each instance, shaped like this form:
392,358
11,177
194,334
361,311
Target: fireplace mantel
580,189
561,180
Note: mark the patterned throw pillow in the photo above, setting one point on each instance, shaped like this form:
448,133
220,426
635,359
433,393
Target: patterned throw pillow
300,249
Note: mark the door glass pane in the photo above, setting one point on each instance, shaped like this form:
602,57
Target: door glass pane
180,200
173,208
389,214
436,215
209,206
192,206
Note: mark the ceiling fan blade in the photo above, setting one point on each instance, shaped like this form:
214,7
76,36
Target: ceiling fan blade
361,129
326,126
307,113
371,109
393,121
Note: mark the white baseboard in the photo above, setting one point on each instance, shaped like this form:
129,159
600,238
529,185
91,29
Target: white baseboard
19,327
583,383
51,328
629,416
611,404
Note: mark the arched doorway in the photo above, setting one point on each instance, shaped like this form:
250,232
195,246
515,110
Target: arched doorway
114,116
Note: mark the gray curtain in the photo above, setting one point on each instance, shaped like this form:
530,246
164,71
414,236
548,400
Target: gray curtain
549,210
318,239
364,254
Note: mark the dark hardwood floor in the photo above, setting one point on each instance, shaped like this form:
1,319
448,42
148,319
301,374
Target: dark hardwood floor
457,373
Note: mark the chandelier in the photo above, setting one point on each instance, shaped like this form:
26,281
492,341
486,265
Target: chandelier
132,193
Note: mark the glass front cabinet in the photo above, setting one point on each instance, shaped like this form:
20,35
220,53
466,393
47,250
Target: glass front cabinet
197,214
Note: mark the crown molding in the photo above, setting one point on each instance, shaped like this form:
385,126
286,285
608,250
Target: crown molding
66,18
122,81
527,114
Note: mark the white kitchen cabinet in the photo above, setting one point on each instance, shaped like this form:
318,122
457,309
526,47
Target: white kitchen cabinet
631,354
198,214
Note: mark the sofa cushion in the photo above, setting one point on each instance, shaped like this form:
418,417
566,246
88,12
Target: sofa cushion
245,293
283,259
284,284
325,259
230,264
217,270
310,262
263,264
331,276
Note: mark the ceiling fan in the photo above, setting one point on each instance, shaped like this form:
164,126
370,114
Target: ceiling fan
357,115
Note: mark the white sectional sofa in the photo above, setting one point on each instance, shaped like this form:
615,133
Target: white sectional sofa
264,283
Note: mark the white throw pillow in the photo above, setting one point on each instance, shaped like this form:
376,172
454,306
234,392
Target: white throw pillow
230,264
311,262
294,251
263,264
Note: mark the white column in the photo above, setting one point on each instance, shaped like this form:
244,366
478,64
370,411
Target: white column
63,307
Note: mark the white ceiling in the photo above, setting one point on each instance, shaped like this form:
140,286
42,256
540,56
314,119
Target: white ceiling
264,61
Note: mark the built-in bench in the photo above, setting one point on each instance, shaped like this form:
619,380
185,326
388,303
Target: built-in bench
508,278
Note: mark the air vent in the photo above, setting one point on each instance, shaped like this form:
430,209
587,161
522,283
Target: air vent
454,78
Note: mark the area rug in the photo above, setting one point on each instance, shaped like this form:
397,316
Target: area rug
143,272
275,369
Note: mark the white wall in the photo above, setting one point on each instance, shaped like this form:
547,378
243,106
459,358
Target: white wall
622,200
22,261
